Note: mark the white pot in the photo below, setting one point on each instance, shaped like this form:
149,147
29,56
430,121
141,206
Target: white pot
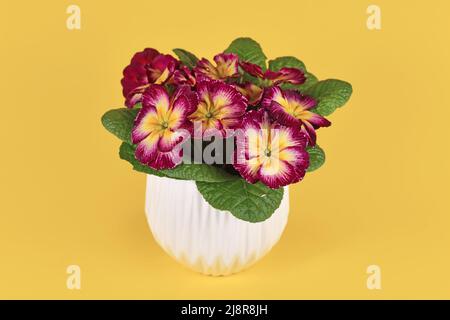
205,239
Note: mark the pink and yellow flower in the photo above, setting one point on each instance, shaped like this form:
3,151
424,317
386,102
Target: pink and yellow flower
220,106
293,109
269,152
146,67
162,125
284,75
226,67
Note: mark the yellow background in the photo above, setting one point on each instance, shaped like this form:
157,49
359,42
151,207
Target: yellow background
382,198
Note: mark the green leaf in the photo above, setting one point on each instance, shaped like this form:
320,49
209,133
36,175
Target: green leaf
249,202
286,62
248,50
198,172
330,94
126,152
120,122
293,62
316,158
189,59
310,81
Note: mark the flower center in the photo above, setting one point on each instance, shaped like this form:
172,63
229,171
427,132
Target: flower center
165,125
267,152
208,115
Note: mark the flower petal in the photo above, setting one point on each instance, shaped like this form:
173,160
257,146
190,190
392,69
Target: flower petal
183,76
161,68
205,71
310,132
169,140
272,94
275,173
227,101
306,102
145,122
227,65
252,92
279,113
280,106
286,75
156,96
147,149
315,119
252,69
166,160
248,169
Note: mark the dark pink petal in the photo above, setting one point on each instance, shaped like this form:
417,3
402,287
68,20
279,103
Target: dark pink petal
286,75
183,76
186,99
135,95
161,68
146,117
271,94
169,140
166,160
310,132
275,101
156,96
229,101
205,70
227,64
164,61
278,112
252,69
306,101
299,156
286,175
135,75
315,119
247,172
147,149
144,57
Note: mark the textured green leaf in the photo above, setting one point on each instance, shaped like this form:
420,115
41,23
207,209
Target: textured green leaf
189,59
120,122
249,202
330,94
286,62
310,81
198,172
248,50
316,158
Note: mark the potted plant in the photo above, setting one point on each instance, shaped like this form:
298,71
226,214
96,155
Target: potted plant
220,143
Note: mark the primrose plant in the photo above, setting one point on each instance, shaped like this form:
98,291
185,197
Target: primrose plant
242,128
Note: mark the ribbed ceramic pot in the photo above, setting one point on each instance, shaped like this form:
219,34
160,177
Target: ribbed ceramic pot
205,239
